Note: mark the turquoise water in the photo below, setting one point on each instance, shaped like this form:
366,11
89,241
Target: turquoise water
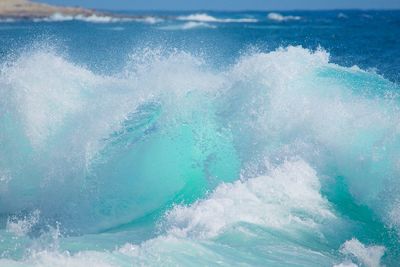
209,139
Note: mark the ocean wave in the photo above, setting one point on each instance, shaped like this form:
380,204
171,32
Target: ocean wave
189,26
192,25
287,203
259,152
73,91
29,100
149,20
271,201
203,17
58,17
279,17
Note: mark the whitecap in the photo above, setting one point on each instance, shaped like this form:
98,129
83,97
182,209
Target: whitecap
149,20
279,17
190,25
204,17
94,18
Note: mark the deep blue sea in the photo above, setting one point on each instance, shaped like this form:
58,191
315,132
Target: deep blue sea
201,139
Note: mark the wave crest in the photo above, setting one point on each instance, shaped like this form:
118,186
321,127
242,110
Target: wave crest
204,17
98,152
279,17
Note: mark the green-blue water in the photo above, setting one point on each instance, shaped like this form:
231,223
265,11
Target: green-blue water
208,139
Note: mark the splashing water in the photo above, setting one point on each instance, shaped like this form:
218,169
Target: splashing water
281,159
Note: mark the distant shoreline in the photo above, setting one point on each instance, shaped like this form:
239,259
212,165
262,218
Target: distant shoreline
26,10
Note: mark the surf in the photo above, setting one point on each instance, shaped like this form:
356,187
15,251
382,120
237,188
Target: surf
172,157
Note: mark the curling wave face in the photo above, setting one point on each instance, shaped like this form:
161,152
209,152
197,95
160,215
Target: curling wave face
281,159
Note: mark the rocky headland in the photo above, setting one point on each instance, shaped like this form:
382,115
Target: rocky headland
26,9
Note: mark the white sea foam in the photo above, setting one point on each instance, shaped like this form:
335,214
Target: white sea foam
22,226
189,26
149,20
43,106
39,115
279,17
55,17
271,201
290,105
192,25
69,107
204,17
58,17
94,18
369,256
328,117
99,19
286,200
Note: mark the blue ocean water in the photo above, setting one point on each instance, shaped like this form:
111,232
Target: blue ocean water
201,139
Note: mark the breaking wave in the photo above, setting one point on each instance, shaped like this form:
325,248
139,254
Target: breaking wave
279,159
279,17
203,17
94,18
189,26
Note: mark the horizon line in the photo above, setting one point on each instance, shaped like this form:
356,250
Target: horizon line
248,10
